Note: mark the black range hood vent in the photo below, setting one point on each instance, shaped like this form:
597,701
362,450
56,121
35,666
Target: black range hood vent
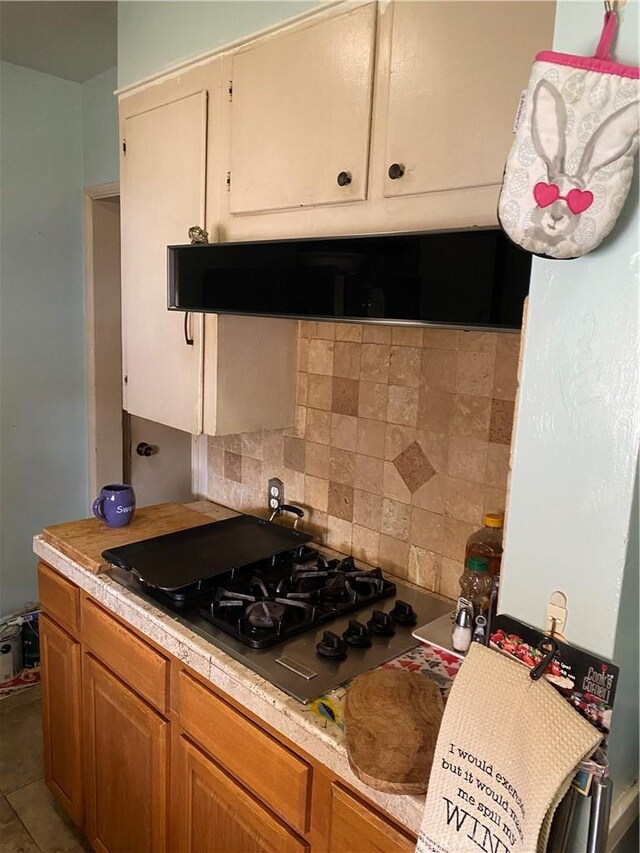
462,279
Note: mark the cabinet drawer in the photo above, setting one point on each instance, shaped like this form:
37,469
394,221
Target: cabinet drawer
235,821
355,826
132,659
59,598
279,778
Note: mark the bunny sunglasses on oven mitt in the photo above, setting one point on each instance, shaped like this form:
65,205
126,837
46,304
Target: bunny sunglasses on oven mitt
571,163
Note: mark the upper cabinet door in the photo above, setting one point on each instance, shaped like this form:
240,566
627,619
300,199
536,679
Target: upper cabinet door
455,74
300,115
163,174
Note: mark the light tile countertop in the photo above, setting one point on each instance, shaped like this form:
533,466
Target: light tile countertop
250,690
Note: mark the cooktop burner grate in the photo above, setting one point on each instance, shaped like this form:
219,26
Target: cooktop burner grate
286,599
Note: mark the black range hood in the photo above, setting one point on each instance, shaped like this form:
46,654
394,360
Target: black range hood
462,279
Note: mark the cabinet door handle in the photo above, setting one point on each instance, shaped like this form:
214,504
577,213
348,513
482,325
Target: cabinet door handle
188,341
396,170
344,178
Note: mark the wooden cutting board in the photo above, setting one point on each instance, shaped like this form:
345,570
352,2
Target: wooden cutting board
85,540
391,724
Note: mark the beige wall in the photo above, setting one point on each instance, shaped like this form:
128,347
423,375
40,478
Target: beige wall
402,442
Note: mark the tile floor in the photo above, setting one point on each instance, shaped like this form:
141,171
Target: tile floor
30,819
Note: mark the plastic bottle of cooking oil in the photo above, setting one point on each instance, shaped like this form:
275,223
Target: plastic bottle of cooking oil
487,542
475,584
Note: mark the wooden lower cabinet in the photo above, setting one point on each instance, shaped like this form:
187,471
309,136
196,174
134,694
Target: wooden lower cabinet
132,660
127,760
355,828
235,742
61,716
213,814
148,758
62,597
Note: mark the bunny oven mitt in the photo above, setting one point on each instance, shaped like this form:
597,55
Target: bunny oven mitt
571,163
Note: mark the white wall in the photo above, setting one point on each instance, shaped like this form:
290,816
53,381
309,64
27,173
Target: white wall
576,443
623,749
100,153
57,136
153,35
43,427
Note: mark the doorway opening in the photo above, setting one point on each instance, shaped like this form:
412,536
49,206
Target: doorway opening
103,329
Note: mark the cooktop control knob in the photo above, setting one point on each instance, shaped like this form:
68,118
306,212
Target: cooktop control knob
357,635
381,623
403,613
332,646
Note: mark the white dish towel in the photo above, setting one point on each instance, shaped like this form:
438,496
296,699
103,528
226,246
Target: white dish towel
505,757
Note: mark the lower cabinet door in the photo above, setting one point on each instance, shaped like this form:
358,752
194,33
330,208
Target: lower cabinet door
127,759
355,828
61,720
213,814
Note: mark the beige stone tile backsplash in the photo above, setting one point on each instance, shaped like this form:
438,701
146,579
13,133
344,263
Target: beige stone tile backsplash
401,443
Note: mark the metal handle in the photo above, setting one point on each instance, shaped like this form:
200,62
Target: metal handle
396,170
550,649
344,178
294,510
601,790
188,341
144,449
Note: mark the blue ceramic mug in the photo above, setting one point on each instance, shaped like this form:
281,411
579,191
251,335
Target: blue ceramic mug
115,505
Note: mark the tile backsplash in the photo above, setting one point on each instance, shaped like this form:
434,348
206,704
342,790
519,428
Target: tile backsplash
401,443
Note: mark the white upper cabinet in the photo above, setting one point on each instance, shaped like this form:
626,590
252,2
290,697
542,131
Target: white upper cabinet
455,73
446,87
217,374
163,174
300,115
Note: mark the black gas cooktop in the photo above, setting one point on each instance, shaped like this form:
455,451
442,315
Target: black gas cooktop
304,621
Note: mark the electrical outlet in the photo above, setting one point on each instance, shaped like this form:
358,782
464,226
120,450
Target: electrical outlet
275,495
